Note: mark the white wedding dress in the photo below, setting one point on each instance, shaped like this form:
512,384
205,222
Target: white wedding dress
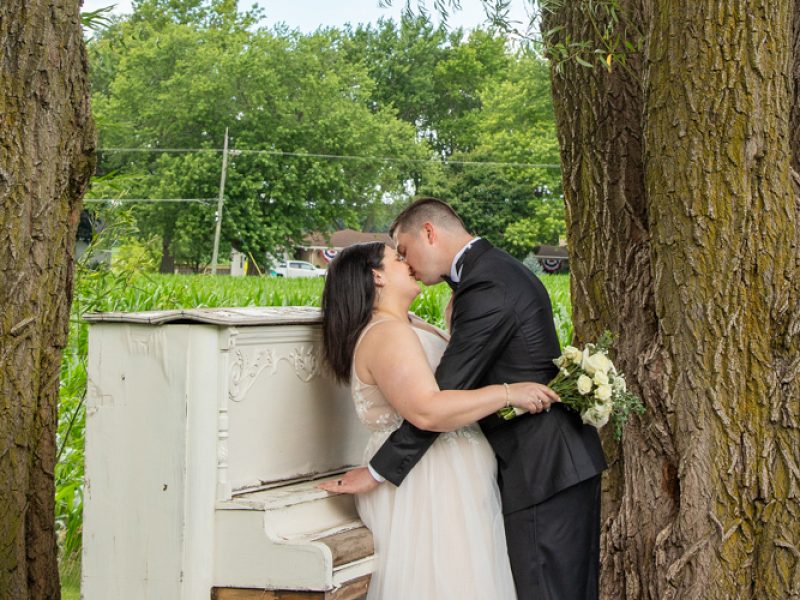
440,535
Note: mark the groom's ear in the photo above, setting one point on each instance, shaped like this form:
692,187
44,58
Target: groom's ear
429,231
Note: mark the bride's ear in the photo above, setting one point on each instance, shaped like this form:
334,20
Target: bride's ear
377,277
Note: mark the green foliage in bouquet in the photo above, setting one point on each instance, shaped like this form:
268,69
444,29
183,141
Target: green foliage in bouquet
590,384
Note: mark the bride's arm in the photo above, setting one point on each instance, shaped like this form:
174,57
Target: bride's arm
401,370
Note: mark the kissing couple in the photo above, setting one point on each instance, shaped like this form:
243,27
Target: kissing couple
462,504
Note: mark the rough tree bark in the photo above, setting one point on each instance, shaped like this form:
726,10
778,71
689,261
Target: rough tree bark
46,158
684,241
167,259
795,129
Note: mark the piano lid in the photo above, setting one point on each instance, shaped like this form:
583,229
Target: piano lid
252,315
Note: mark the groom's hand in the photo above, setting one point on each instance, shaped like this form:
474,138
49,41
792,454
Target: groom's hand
355,481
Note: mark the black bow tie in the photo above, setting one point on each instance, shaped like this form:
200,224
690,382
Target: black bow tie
453,285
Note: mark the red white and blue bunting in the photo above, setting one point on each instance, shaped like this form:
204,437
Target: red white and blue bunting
551,265
329,254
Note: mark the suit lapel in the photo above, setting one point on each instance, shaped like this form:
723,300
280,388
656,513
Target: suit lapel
472,255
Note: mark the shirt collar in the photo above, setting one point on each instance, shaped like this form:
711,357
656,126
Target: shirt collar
455,273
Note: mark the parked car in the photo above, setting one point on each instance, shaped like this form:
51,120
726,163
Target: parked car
297,268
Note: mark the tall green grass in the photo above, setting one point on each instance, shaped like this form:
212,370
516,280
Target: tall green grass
102,290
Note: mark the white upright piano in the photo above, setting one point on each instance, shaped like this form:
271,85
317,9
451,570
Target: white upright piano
207,432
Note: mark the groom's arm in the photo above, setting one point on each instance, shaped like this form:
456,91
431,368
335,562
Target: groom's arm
483,322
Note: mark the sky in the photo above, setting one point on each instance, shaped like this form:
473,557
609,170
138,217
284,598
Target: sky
308,15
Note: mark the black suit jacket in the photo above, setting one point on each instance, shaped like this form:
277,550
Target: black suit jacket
502,331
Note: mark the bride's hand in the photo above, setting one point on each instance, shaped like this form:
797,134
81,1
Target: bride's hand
531,397
355,481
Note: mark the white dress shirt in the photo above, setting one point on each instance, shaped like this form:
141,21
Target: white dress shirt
455,276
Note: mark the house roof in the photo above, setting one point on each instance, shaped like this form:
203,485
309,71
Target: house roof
545,251
344,238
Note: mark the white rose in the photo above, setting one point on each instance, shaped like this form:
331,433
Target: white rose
560,361
619,384
572,354
605,409
600,378
595,362
597,416
584,385
603,392
585,360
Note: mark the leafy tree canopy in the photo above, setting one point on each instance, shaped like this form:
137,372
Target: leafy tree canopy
176,73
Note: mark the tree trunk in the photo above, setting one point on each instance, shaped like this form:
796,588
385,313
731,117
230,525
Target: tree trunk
683,236
46,158
167,258
795,129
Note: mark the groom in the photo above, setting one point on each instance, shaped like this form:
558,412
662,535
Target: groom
549,464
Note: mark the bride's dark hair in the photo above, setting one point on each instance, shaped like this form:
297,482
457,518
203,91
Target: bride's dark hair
347,303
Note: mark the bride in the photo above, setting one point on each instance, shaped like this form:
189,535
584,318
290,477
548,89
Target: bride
440,535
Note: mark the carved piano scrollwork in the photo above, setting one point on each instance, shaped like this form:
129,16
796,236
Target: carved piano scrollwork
305,361
246,367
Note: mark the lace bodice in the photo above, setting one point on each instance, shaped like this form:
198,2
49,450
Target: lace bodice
371,406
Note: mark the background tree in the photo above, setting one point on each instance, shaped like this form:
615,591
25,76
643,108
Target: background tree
432,77
175,73
484,108
177,78
489,182
46,159
683,230
796,80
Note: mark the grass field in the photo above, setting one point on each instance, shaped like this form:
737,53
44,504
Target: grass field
108,291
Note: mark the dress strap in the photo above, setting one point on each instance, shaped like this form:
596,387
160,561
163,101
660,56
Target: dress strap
364,331
369,326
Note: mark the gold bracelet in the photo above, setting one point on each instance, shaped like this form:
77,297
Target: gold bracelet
508,399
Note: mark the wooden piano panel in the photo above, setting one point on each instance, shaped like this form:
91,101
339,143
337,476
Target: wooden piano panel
286,418
355,590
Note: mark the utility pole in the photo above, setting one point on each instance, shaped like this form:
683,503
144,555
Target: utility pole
220,202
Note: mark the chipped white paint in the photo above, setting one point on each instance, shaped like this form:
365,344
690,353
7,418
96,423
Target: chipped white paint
202,431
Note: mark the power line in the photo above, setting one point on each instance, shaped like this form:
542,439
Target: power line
122,200
264,200
340,157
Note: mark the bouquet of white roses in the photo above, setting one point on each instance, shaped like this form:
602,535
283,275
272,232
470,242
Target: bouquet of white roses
589,383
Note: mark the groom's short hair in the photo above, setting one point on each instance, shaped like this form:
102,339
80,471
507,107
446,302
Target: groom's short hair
426,210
